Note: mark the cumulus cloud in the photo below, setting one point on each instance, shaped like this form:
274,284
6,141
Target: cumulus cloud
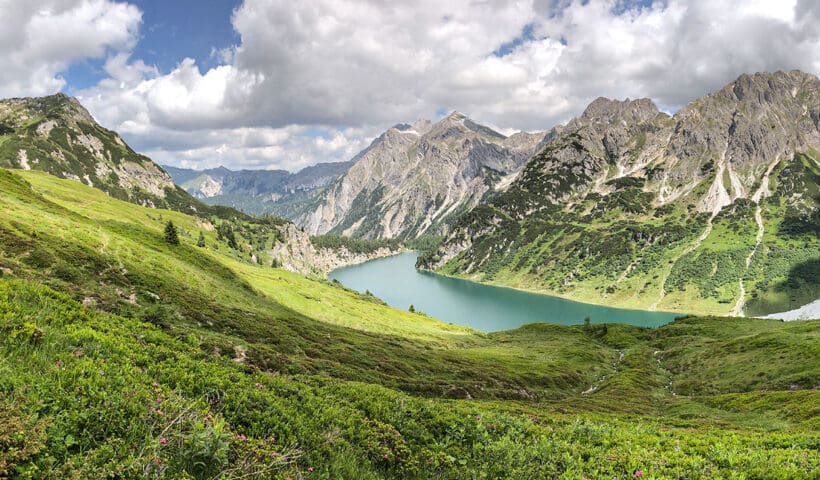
41,38
315,81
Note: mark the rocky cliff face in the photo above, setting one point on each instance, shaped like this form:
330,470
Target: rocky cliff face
57,135
414,179
627,205
298,254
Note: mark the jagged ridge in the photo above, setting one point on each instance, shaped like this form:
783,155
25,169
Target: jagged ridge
711,210
416,179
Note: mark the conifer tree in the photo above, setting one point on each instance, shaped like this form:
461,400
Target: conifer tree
171,236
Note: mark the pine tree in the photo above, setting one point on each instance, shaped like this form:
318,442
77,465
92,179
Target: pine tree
412,309
171,236
201,241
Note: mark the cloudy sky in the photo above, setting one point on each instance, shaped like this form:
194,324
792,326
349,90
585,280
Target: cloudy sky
289,83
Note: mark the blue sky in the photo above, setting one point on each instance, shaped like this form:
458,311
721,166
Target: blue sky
315,81
171,30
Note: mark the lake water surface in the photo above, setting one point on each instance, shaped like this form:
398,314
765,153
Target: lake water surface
483,307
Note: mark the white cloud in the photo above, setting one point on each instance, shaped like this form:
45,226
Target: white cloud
41,38
349,69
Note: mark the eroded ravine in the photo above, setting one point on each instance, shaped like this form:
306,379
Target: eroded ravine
760,194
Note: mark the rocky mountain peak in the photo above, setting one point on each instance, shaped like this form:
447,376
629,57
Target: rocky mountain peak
414,179
605,110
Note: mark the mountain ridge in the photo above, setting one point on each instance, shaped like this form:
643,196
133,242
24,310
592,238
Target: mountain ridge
56,134
414,179
719,184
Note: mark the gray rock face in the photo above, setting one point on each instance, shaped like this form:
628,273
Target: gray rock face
298,254
415,179
741,129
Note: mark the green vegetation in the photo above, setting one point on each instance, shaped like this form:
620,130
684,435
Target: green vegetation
354,245
620,248
122,356
171,236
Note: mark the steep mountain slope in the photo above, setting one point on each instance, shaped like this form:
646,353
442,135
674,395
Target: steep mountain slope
414,179
712,210
126,357
257,192
57,135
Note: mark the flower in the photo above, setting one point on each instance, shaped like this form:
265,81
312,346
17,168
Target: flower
157,460
386,456
259,385
310,469
242,438
163,440
638,473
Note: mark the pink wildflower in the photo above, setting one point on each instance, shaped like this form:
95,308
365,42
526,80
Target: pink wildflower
386,456
310,469
242,438
163,440
157,460
259,385
638,473
274,454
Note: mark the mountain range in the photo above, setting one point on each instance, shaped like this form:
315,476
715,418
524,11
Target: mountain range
257,192
417,179
715,208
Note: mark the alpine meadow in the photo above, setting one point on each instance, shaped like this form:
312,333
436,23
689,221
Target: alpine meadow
259,239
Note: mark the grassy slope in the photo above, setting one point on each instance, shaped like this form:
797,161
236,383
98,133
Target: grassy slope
324,356
591,253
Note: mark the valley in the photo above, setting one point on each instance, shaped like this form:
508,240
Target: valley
148,334
178,346
443,240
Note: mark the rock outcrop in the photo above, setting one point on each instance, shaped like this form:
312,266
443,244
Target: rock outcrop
417,179
298,254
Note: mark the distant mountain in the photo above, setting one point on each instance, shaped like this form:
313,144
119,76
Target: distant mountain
417,179
257,191
714,209
57,135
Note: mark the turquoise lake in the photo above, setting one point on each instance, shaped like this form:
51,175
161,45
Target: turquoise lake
483,307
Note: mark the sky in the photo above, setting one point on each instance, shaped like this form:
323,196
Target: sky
267,84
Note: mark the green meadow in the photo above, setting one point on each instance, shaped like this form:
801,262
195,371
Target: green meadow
122,356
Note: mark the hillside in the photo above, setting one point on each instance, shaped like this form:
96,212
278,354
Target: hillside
712,210
416,179
258,192
194,361
56,134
